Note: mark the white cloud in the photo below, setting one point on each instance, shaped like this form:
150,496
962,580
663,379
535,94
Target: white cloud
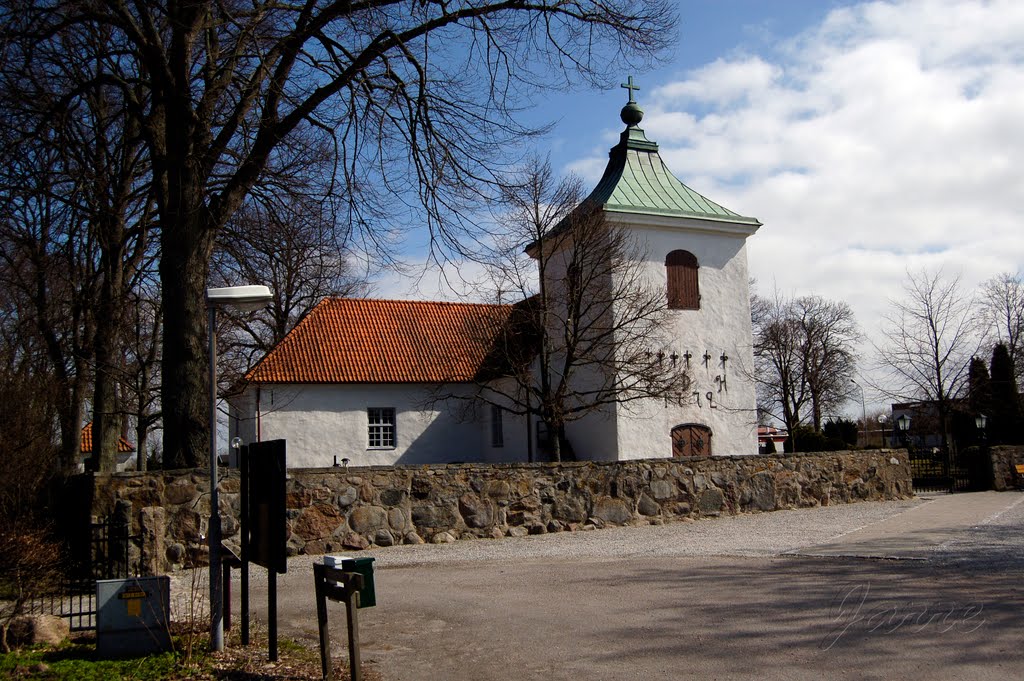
890,136
460,281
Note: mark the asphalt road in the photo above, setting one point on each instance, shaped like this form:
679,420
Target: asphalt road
929,589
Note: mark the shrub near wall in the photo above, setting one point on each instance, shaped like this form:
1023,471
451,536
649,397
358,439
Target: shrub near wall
331,509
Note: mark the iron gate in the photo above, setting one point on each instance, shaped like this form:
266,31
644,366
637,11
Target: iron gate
937,470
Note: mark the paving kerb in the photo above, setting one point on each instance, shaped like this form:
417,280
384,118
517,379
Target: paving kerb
738,597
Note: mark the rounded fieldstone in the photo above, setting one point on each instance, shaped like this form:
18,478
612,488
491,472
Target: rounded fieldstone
412,538
180,491
761,491
647,506
368,519
347,497
175,553
428,515
383,538
476,512
569,509
355,541
663,489
711,501
317,522
614,511
442,538
393,497
397,519
37,629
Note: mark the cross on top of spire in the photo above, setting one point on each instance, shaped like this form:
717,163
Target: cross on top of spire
629,86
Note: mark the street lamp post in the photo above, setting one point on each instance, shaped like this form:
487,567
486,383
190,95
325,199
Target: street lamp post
863,412
882,418
245,298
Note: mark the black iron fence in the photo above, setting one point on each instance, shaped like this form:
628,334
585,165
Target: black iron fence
107,554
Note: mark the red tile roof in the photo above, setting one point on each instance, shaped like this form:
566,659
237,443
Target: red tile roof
346,340
123,445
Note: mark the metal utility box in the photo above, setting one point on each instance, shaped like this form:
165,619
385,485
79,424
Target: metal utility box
362,566
133,616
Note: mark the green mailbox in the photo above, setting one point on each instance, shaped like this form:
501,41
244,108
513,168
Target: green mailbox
362,566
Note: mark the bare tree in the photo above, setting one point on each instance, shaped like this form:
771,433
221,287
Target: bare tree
782,390
63,104
48,271
418,99
928,339
294,247
590,331
830,333
803,351
1002,302
141,381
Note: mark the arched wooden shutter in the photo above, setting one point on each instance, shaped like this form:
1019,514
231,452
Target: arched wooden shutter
683,289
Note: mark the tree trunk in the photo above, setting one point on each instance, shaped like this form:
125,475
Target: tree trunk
186,246
70,417
106,420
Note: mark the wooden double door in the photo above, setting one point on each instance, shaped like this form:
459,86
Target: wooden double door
691,439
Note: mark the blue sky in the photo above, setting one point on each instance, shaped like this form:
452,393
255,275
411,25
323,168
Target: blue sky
869,138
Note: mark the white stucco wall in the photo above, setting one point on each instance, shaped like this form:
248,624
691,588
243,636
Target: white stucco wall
514,428
720,326
323,421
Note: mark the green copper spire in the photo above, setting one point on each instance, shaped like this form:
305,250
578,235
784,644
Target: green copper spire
636,179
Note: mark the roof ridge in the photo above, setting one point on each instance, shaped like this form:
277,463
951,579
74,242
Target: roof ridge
412,302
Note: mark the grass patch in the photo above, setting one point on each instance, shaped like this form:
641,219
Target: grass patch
76,661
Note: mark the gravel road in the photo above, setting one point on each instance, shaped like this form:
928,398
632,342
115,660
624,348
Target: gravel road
744,597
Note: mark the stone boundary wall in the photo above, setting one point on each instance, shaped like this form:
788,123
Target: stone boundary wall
337,510
1004,459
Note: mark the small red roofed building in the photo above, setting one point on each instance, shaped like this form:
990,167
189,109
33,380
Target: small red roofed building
125,449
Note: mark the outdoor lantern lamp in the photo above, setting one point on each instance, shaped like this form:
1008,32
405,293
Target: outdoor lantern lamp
980,421
246,299
903,424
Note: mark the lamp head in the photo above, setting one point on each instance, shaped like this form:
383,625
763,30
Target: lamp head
244,298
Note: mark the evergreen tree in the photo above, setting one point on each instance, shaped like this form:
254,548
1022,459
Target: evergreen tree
979,388
1005,420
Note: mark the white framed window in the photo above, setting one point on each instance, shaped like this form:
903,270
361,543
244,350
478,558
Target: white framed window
497,428
380,427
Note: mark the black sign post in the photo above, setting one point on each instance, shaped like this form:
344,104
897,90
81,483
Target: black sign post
264,531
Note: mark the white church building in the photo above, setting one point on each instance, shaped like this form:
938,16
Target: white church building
360,379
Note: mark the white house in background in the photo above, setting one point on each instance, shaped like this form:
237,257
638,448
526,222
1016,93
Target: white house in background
356,378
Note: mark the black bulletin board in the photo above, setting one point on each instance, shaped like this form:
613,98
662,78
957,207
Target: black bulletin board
264,465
